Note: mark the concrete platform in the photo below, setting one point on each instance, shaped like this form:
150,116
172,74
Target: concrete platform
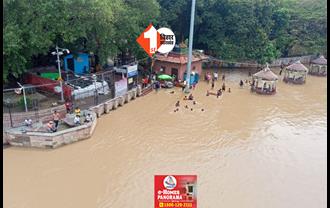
38,139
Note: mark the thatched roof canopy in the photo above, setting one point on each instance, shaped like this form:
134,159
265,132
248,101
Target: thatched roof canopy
297,66
266,74
320,61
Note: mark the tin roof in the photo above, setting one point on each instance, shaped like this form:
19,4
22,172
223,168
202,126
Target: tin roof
297,66
266,74
321,61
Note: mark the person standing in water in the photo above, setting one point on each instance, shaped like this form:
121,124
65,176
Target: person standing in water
219,93
215,75
282,66
194,85
208,77
157,86
241,83
191,97
223,77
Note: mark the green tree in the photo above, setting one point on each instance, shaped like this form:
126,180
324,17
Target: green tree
258,30
33,27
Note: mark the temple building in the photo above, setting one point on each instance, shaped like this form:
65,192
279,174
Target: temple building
175,64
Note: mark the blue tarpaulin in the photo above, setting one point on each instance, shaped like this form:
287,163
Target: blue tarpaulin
193,78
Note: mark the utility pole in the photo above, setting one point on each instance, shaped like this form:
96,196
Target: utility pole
58,53
191,36
95,92
24,96
59,73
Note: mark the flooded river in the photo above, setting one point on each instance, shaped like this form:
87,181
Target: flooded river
249,151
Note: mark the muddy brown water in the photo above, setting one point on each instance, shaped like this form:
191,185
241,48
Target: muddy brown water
249,151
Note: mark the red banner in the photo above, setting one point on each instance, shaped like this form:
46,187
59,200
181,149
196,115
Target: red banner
37,80
175,191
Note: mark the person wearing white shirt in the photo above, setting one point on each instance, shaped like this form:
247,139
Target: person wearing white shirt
88,118
215,75
76,120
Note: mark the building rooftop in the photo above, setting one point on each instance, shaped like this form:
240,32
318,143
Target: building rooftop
180,58
297,66
321,61
266,74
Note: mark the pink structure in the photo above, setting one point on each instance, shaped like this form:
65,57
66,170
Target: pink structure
175,63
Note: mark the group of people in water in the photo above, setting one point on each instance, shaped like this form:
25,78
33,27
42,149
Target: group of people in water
189,98
208,78
223,87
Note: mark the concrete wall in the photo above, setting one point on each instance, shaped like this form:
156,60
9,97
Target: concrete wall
181,67
18,118
303,59
44,115
114,103
241,64
51,140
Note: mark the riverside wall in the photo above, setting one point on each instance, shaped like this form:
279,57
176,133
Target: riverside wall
46,115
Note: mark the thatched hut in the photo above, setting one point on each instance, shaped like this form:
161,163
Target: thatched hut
295,73
318,67
264,82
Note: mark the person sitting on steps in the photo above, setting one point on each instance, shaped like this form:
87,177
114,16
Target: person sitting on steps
77,120
51,127
88,118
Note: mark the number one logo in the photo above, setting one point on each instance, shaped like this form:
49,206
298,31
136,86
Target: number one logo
149,40
152,35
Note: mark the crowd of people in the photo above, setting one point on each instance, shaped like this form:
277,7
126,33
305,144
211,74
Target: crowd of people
52,125
209,78
189,98
213,79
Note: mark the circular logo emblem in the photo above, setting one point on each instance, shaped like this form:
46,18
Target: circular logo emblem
152,40
169,182
167,40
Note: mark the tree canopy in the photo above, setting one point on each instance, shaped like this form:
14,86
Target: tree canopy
106,28
258,30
